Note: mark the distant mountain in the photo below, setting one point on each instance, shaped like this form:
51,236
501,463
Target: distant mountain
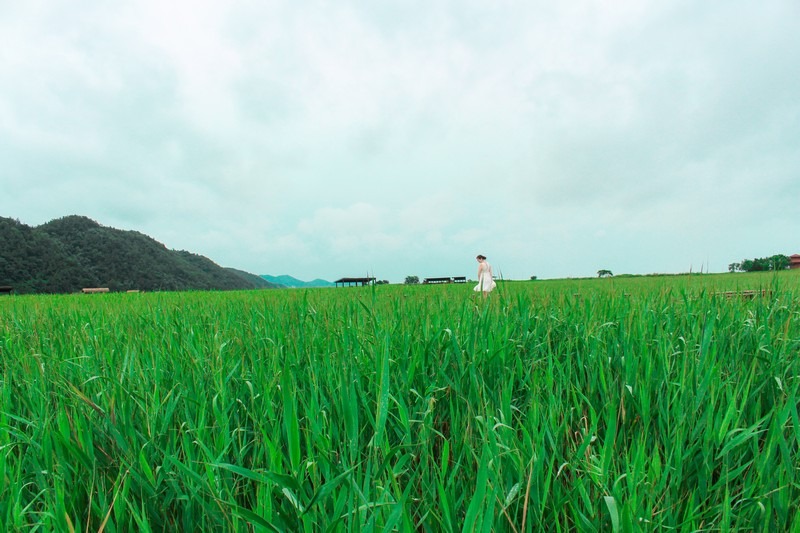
256,280
73,252
291,282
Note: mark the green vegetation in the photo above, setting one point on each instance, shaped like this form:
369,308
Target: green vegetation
70,253
761,264
615,405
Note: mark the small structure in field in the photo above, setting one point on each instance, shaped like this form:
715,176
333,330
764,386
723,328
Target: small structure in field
94,290
794,261
349,282
6,289
451,279
748,294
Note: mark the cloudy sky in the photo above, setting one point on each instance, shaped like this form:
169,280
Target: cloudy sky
324,139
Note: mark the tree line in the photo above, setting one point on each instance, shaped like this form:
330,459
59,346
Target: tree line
775,262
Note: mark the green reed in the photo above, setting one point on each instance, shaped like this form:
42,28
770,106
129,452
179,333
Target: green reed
614,404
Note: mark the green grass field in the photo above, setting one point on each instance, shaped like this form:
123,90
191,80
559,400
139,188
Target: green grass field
621,404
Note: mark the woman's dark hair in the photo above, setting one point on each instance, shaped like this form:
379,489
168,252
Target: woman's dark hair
480,256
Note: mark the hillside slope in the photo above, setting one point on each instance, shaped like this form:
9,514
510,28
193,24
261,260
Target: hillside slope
69,253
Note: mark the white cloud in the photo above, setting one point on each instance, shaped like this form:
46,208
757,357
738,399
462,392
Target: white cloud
320,139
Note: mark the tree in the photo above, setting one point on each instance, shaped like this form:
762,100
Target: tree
779,262
603,273
533,278
412,280
760,264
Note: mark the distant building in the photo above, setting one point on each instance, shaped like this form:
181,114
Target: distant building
347,282
452,279
794,261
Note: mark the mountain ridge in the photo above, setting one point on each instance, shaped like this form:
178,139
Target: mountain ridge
285,280
72,252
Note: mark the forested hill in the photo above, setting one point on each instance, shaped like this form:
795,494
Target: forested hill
73,252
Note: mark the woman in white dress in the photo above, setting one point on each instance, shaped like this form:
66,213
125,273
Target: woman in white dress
486,282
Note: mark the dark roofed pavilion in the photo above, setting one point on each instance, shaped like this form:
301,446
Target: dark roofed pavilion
348,282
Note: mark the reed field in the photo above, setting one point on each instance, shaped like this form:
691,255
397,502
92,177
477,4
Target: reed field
621,404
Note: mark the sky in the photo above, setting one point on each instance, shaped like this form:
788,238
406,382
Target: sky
328,139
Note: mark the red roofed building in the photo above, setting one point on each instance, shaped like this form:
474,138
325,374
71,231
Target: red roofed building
794,261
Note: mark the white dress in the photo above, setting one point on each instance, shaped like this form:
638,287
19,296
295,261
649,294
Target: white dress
486,281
